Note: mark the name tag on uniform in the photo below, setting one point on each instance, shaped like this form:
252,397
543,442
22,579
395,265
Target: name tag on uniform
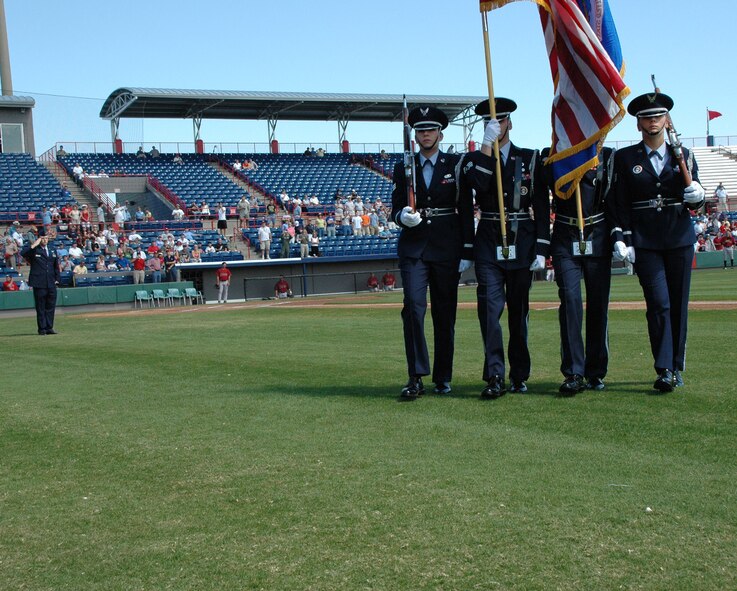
588,245
512,253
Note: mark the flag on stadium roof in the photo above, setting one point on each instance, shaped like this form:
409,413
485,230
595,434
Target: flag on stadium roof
713,114
587,68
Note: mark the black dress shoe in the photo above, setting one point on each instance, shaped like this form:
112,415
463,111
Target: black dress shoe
517,386
42,333
412,390
495,388
665,381
442,388
677,379
572,385
51,331
595,384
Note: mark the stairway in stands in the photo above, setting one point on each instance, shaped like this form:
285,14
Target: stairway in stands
81,196
260,196
717,167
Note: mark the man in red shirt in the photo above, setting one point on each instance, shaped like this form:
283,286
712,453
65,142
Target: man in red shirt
281,289
373,283
726,240
388,280
9,284
139,267
222,280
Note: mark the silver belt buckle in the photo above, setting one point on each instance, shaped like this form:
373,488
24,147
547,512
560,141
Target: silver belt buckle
658,203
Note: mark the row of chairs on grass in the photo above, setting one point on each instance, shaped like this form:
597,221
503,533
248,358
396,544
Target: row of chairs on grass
159,297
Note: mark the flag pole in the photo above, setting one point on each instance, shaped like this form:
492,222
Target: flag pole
579,215
707,125
492,113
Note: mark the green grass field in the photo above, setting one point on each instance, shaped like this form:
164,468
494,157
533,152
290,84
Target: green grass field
263,448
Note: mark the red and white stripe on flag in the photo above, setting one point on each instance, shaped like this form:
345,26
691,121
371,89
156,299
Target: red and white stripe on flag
589,92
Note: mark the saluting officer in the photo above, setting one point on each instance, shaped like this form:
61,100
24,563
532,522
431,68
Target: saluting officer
434,240
43,277
583,367
651,218
507,279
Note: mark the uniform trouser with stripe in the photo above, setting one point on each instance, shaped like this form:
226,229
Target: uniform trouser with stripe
45,301
442,279
498,286
665,277
592,361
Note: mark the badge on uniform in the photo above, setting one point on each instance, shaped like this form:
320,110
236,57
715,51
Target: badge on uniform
576,246
512,253
637,169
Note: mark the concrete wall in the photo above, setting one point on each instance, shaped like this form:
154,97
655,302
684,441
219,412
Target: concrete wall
24,116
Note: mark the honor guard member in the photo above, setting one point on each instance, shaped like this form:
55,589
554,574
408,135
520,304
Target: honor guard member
590,260
435,246
43,277
650,215
506,279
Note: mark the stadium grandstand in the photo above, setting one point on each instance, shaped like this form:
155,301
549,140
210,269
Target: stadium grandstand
115,200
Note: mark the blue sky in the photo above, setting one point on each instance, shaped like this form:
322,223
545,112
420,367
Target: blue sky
86,48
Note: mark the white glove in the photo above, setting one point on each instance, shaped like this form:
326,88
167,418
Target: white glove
631,254
493,130
620,251
410,218
538,264
464,265
694,193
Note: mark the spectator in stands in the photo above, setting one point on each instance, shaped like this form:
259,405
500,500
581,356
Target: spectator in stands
307,152
65,265
222,280
297,210
178,159
314,200
244,211
383,232
271,213
284,199
170,264
264,238
139,267
100,264
79,270
237,166
304,243
46,218
357,222
55,214
155,264
75,251
383,155
148,216
222,219
347,226
154,153
100,216
61,152
286,241
360,209
373,223
11,252
204,209
314,245
196,254
84,218
75,218
119,214
281,289
78,173
388,281
221,245
177,214
330,225
372,283
720,193
209,248
139,215
140,153
9,284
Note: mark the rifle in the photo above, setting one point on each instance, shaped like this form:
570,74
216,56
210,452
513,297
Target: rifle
409,157
675,142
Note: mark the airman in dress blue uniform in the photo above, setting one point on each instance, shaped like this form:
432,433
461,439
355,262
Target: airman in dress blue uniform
583,367
650,216
434,240
43,277
506,279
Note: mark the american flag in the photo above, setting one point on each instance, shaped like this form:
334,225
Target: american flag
587,68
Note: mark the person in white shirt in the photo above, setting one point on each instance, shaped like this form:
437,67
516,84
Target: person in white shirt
75,252
177,214
356,221
264,238
119,214
222,219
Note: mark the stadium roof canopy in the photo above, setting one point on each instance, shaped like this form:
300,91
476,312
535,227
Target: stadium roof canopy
17,102
163,103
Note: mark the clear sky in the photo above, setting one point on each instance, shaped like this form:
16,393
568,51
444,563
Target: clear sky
88,48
